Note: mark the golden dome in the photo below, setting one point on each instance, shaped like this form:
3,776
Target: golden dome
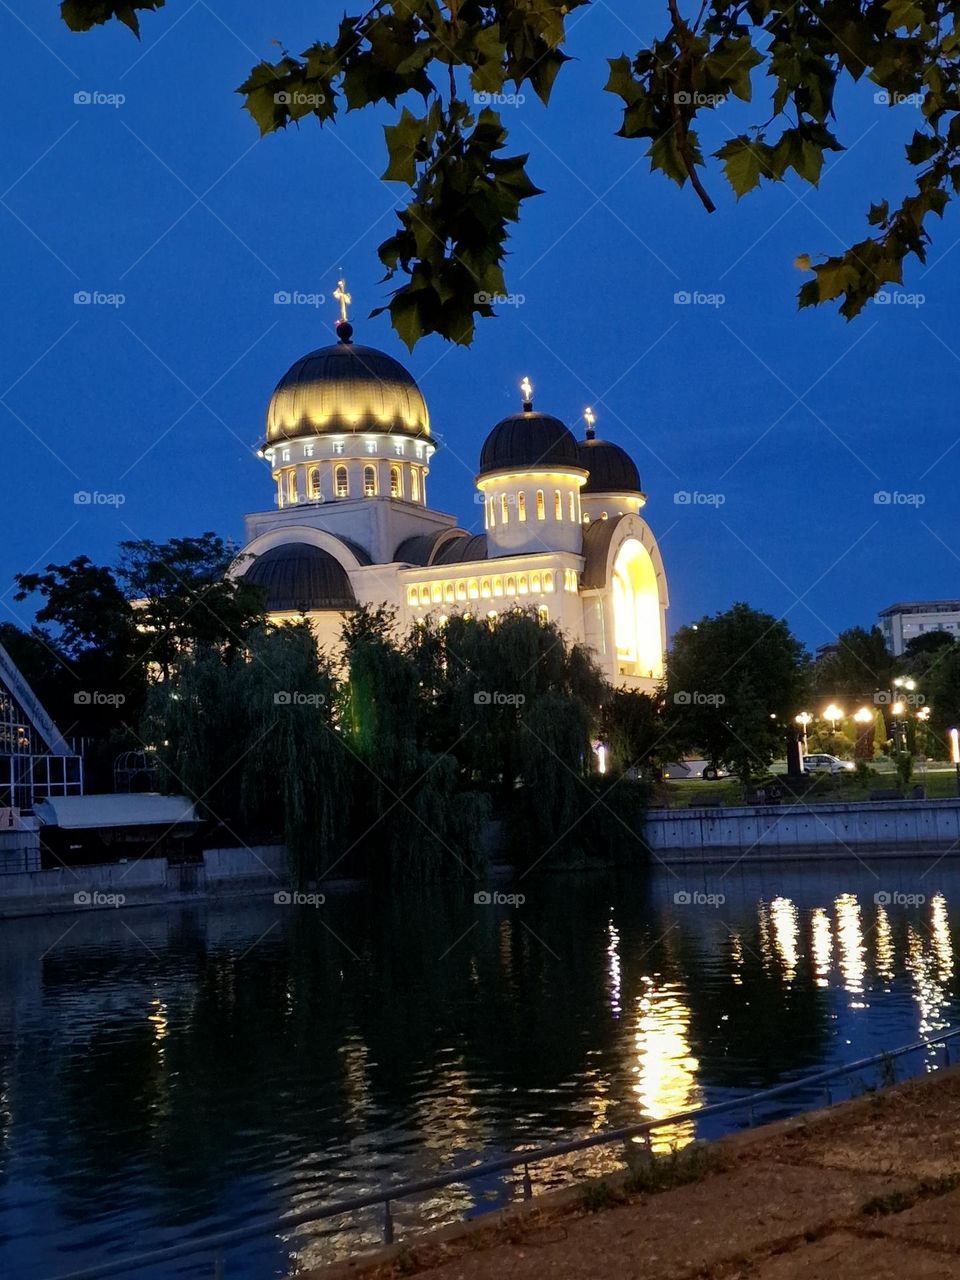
345,388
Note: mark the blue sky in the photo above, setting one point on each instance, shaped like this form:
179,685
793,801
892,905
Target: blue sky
796,419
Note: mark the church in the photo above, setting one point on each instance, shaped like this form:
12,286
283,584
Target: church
349,446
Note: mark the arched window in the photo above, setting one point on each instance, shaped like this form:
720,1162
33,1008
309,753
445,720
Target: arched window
548,581
292,485
543,614
279,491
498,586
448,592
461,591
485,588
313,483
341,483
491,513
436,592
473,589
412,597
511,586
424,595
369,482
573,507
396,483
521,506
541,511
535,582
522,584
504,509
557,505
414,484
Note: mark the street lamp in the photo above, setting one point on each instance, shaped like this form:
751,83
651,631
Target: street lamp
863,718
803,719
954,736
832,713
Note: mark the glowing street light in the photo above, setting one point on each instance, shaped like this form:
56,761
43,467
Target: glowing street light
833,713
803,719
864,718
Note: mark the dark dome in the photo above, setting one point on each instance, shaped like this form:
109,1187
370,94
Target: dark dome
611,468
298,577
345,388
529,441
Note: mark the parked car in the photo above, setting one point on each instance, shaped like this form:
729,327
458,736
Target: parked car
694,769
820,763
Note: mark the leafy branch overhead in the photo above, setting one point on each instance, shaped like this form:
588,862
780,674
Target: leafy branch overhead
458,57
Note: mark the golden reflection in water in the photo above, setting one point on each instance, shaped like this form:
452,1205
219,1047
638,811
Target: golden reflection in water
852,947
929,993
940,932
786,932
886,956
736,958
158,1022
822,946
449,1119
666,1071
356,1084
613,968
763,934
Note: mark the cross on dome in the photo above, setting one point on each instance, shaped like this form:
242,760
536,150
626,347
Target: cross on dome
344,298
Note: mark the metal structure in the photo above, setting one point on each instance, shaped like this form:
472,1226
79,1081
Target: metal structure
751,1103
35,760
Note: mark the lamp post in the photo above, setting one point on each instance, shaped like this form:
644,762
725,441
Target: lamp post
864,719
954,736
803,719
833,713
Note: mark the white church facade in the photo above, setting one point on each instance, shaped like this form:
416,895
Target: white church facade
349,445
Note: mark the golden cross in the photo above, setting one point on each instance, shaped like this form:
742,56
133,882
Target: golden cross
526,388
590,418
341,295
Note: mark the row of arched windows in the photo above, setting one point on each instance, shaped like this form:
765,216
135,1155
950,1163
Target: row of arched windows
519,500
341,484
511,584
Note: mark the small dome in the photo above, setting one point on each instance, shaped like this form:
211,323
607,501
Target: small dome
344,388
611,468
299,577
528,442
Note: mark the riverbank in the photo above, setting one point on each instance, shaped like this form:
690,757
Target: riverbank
865,1190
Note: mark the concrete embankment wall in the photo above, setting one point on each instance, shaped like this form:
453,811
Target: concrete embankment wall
139,883
891,828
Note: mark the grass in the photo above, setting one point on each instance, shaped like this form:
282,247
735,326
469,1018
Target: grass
651,1174
938,780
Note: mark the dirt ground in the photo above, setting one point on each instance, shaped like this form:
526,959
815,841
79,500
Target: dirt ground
866,1190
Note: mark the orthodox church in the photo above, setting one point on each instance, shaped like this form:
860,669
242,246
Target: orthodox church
349,445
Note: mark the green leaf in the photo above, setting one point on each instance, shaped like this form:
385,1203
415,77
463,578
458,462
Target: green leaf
404,140
745,162
82,15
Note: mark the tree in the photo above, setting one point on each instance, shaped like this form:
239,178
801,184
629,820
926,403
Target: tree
451,241
859,666
943,693
734,682
636,729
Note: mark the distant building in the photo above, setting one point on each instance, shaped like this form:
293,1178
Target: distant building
903,622
35,760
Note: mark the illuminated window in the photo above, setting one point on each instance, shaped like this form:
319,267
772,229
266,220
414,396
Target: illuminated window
414,484
369,482
461,591
485,588
371,446
291,485
541,512
308,450
511,586
636,612
522,584
492,514
573,508
424,594
419,450
535,582
543,614
412,597
423,487
557,505
286,455
448,592
504,510
340,482
279,491
313,483
473,589
548,582
396,483
436,592
398,448
498,586
521,506
338,446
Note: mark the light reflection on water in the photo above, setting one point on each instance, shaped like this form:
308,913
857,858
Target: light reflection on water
219,1063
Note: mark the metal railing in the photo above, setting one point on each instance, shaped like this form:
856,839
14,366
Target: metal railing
216,1243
